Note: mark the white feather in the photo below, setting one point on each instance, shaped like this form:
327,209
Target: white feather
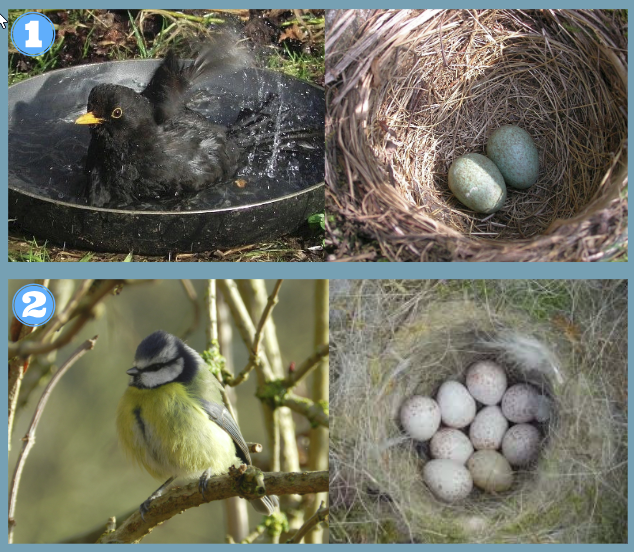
527,353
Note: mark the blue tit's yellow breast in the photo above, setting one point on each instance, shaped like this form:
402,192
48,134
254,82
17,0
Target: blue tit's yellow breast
166,431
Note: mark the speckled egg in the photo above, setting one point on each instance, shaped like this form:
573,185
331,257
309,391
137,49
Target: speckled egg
449,480
490,471
520,445
519,403
488,428
477,183
451,444
486,381
457,406
420,417
512,149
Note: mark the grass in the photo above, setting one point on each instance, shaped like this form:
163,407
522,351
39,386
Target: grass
299,64
29,252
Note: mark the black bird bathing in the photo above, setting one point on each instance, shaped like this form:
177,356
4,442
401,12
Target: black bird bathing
149,145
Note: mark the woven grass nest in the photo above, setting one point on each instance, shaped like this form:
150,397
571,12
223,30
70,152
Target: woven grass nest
401,338
410,91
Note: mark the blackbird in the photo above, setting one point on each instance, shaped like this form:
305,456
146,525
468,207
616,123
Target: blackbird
149,145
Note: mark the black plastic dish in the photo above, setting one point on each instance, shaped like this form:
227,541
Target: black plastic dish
46,152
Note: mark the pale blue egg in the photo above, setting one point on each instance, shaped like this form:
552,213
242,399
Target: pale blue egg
477,183
512,149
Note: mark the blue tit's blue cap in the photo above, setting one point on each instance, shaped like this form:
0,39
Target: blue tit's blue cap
153,345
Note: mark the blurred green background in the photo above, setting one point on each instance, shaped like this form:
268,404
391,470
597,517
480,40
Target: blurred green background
76,477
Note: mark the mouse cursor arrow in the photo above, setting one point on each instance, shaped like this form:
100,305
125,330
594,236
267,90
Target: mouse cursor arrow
3,22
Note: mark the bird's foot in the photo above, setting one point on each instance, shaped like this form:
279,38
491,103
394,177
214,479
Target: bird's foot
145,506
202,482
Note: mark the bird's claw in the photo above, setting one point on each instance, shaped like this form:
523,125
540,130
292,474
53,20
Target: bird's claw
144,508
202,483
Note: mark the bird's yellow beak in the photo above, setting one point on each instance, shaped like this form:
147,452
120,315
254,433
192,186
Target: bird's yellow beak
88,119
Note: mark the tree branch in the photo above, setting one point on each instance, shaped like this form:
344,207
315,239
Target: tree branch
178,499
316,414
320,515
80,306
188,287
305,367
247,331
29,438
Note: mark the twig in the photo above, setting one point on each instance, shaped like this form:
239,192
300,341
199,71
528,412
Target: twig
320,515
17,369
29,438
247,330
316,415
318,437
79,306
67,313
212,315
193,299
250,539
305,367
177,499
283,452
272,301
255,447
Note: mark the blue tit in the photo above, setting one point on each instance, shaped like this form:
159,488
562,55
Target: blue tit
173,421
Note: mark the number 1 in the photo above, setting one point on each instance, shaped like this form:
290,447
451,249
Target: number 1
34,30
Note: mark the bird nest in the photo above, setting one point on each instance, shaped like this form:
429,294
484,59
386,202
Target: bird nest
400,338
410,91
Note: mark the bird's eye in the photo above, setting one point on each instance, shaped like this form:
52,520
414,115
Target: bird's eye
117,112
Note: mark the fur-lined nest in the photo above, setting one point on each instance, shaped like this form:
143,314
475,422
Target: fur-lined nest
410,91
400,338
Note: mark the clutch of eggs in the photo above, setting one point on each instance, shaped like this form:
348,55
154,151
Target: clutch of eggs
476,447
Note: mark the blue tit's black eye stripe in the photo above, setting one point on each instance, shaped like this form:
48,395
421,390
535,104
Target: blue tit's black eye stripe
159,365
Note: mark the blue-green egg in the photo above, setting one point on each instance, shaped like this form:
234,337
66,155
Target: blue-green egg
512,149
477,183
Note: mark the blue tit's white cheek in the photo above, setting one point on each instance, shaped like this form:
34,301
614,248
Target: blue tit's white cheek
165,375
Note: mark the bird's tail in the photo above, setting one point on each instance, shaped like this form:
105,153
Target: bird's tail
266,505
168,88
224,54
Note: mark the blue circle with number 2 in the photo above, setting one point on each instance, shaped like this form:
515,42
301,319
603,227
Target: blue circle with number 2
33,305
33,33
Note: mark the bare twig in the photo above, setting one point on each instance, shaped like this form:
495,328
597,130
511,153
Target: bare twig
193,299
251,538
320,515
318,438
66,314
212,315
80,306
236,514
305,367
272,301
29,438
17,369
247,332
177,499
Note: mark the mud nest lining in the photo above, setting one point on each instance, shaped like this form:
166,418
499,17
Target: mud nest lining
415,90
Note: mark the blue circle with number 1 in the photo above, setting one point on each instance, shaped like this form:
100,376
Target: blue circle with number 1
33,33
33,305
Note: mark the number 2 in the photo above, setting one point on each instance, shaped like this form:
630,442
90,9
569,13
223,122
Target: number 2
40,299
34,30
